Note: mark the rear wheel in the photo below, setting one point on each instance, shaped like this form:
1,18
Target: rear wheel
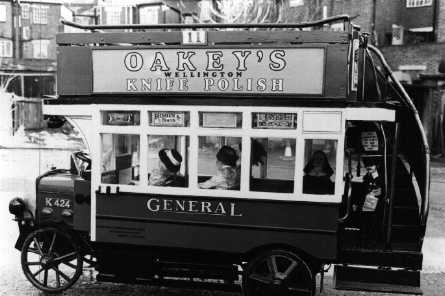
278,273
51,260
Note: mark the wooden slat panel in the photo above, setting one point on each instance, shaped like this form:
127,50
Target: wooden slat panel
76,76
213,37
336,74
116,38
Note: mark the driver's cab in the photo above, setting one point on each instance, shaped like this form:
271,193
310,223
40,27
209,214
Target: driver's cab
80,164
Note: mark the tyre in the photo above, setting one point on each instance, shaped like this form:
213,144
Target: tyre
51,260
278,272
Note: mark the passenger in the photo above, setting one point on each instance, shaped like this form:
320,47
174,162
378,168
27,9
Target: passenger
227,175
167,173
318,172
259,154
371,206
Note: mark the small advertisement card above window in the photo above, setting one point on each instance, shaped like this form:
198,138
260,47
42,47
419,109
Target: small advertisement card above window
120,117
167,118
197,70
274,120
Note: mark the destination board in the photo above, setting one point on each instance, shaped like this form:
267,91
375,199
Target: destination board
186,70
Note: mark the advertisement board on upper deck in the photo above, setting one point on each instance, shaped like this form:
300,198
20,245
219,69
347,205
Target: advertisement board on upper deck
216,70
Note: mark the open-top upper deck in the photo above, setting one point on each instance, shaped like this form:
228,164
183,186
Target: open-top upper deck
195,60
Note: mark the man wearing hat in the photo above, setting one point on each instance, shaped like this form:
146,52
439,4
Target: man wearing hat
371,207
167,173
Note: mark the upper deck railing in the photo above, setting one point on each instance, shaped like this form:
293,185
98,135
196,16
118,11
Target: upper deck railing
326,21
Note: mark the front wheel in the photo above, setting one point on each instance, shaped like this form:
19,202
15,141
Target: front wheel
51,260
278,273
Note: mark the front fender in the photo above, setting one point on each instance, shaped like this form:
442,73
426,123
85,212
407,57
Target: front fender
24,231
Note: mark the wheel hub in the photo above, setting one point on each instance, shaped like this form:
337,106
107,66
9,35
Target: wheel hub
47,260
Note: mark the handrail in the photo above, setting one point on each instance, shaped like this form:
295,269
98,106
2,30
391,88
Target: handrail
328,20
347,180
407,100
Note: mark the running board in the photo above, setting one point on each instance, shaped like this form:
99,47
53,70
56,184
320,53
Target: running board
187,283
377,280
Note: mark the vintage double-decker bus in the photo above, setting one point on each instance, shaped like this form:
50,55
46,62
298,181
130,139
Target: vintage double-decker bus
248,158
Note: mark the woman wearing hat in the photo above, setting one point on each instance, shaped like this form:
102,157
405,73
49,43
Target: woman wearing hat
167,173
227,175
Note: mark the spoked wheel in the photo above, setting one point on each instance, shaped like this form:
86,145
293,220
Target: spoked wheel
51,260
278,273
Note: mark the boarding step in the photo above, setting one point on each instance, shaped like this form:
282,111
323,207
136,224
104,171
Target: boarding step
377,280
175,282
373,257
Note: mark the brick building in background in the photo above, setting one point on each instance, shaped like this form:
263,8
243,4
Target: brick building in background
30,27
411,35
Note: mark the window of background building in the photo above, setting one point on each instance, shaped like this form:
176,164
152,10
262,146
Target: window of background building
24,11
40,49
205,11
6,48
38,86
113,15
418,3
40,14
149,15
2,13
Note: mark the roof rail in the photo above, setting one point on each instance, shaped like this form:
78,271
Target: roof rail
344,18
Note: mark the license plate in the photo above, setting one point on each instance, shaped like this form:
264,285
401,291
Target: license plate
57,202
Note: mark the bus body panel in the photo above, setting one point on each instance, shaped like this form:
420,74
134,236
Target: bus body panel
217,224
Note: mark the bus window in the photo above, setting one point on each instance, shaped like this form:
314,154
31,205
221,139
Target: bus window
167,160
272,165
320,164
120,159
219,162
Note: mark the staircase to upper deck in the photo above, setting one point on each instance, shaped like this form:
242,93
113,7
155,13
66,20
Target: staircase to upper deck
401,246
394,265
406,230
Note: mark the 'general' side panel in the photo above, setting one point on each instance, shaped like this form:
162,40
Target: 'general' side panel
226,225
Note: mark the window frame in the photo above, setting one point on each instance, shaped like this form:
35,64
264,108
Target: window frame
247,132
40,14
153,9
40,46
3,13
418,3
25,10
6,48
113,15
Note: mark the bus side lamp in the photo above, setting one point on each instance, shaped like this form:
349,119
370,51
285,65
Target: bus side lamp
17,206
